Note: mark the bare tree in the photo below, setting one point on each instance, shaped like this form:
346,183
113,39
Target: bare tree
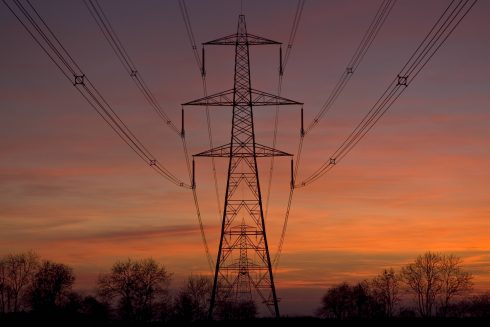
337,303
16,274
454,280
192,302
386,289
4,288
51,284
423,278
346,302
479,306
138,286
435,276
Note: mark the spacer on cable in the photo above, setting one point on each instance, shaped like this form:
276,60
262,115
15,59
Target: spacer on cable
349,70
153,162
79,79
133,73
333,161
402,80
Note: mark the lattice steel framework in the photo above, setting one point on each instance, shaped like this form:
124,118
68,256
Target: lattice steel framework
243,266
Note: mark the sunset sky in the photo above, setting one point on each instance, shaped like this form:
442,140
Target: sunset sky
72,191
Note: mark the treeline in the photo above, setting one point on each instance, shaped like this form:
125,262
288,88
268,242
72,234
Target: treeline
434,285
133,292
137,292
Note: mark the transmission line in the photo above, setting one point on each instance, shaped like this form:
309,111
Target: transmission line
294,30
47,40
367,40
112,38
200,65
442,29
70,69
292,36
114,41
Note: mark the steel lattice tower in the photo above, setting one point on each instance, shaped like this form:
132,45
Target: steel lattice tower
243,266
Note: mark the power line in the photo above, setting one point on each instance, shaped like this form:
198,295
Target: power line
112,38
190,33
294,30
435,38
201,67
442,29
114,41
363,47
292,36
368,38
51,45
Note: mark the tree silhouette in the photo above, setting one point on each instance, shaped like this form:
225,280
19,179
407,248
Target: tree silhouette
337,302
424,280
454,280
365,305
435,276
138,287
93,310
386,289
16,274
192,301
345,301
50,286
480,305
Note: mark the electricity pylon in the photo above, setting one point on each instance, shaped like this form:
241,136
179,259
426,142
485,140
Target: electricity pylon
243,266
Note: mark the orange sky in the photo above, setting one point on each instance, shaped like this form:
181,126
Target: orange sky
73,192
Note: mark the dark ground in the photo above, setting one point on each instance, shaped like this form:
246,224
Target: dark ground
30,320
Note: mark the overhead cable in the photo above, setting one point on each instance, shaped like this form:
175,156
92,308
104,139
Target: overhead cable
117,46
452,16
51,45
114,41
200,65
292,36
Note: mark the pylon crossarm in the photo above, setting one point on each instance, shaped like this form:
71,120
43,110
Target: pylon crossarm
265,151
235,39
225,40
220,151
243,150
259,40
261,98
237,267
255,232
223,99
